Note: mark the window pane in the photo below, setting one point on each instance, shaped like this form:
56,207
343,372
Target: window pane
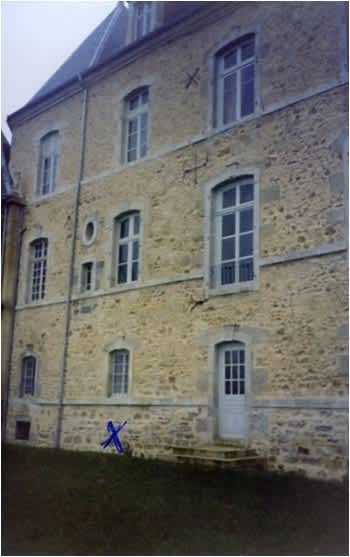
246,270
246,193
230,59
133,103
132,127
123,253
227,357
245,245
227,372
120,369
135,251
229,99
124,228
247,90
234,388
241,388
228,249
117,384
228,225
234,372
144,97
132,155
227,273
229,198
246,220
227,387
143,140
134,271
247,50
122,273
136,225
46,176
241,356
241,372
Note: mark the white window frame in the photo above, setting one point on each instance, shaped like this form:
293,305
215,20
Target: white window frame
24,376
137,115
145,17
38,269
217,214
129,242
83,289
122,370
221,73
49,155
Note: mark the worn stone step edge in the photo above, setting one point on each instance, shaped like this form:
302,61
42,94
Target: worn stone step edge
219,459
212,452
211,448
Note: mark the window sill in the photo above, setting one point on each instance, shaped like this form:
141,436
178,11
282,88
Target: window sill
235,289
218,129
126,164
120,400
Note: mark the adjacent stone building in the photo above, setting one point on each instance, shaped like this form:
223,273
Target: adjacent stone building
184,255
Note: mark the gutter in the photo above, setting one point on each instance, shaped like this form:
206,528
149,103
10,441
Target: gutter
71,264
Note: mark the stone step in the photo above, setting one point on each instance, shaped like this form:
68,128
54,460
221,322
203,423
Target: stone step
241,462
214,451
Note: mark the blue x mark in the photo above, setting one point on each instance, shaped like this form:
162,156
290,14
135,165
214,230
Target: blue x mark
114,436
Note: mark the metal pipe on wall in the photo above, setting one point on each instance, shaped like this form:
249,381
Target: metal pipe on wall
71,266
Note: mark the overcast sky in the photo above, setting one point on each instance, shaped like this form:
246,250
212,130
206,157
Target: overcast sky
36,38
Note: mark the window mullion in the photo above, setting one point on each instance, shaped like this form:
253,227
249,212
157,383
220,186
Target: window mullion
237,246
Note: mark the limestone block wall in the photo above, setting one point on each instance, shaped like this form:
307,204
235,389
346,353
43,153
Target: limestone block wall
301,187
295,317
64,117
39,331
305,440
51,219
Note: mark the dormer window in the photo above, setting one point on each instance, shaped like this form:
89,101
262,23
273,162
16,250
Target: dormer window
142,19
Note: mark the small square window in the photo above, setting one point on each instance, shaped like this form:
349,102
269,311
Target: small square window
22,430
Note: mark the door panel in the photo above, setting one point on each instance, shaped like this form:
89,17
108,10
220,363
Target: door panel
232,391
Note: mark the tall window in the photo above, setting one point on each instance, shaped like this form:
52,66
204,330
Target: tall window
119,372
127,248
136,124
28,376
142,19
87,277
48,163
38,269
234,233
235,81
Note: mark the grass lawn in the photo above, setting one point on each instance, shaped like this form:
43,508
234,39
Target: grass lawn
83,503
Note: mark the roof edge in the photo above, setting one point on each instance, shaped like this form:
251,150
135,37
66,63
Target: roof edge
75,85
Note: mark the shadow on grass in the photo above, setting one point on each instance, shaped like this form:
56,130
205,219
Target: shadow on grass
83,503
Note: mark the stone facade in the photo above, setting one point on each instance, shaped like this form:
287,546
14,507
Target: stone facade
292,319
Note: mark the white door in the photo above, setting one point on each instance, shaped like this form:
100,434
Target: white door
232,391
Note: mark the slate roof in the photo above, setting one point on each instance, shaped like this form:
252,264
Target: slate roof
106,42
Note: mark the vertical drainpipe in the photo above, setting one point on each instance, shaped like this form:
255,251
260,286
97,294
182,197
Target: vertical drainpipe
19,237
71,265
3,235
